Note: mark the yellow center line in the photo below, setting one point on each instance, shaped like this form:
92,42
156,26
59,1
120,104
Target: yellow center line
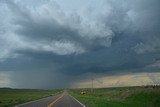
51,104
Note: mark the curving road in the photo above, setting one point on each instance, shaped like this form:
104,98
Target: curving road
61,100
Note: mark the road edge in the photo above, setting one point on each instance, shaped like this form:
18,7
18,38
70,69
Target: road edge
77,100
31,101
34,100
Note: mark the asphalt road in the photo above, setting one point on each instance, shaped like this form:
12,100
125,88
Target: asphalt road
61,100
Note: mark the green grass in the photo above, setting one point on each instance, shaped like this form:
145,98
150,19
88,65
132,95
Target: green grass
119,97
11,97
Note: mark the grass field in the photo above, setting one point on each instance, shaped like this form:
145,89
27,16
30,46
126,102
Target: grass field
10,97
119,97
104,97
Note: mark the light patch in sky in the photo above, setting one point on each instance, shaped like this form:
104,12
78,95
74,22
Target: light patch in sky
133,79
5,79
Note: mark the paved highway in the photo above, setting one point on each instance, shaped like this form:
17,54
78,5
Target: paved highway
61,100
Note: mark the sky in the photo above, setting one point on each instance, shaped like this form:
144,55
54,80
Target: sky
61,43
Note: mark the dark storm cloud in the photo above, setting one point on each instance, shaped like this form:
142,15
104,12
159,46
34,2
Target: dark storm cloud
47,42
37,24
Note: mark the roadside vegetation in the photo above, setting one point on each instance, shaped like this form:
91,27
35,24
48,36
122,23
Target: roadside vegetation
10,97
119,97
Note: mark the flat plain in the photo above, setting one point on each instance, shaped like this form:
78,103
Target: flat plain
10,97
119,97
100,97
